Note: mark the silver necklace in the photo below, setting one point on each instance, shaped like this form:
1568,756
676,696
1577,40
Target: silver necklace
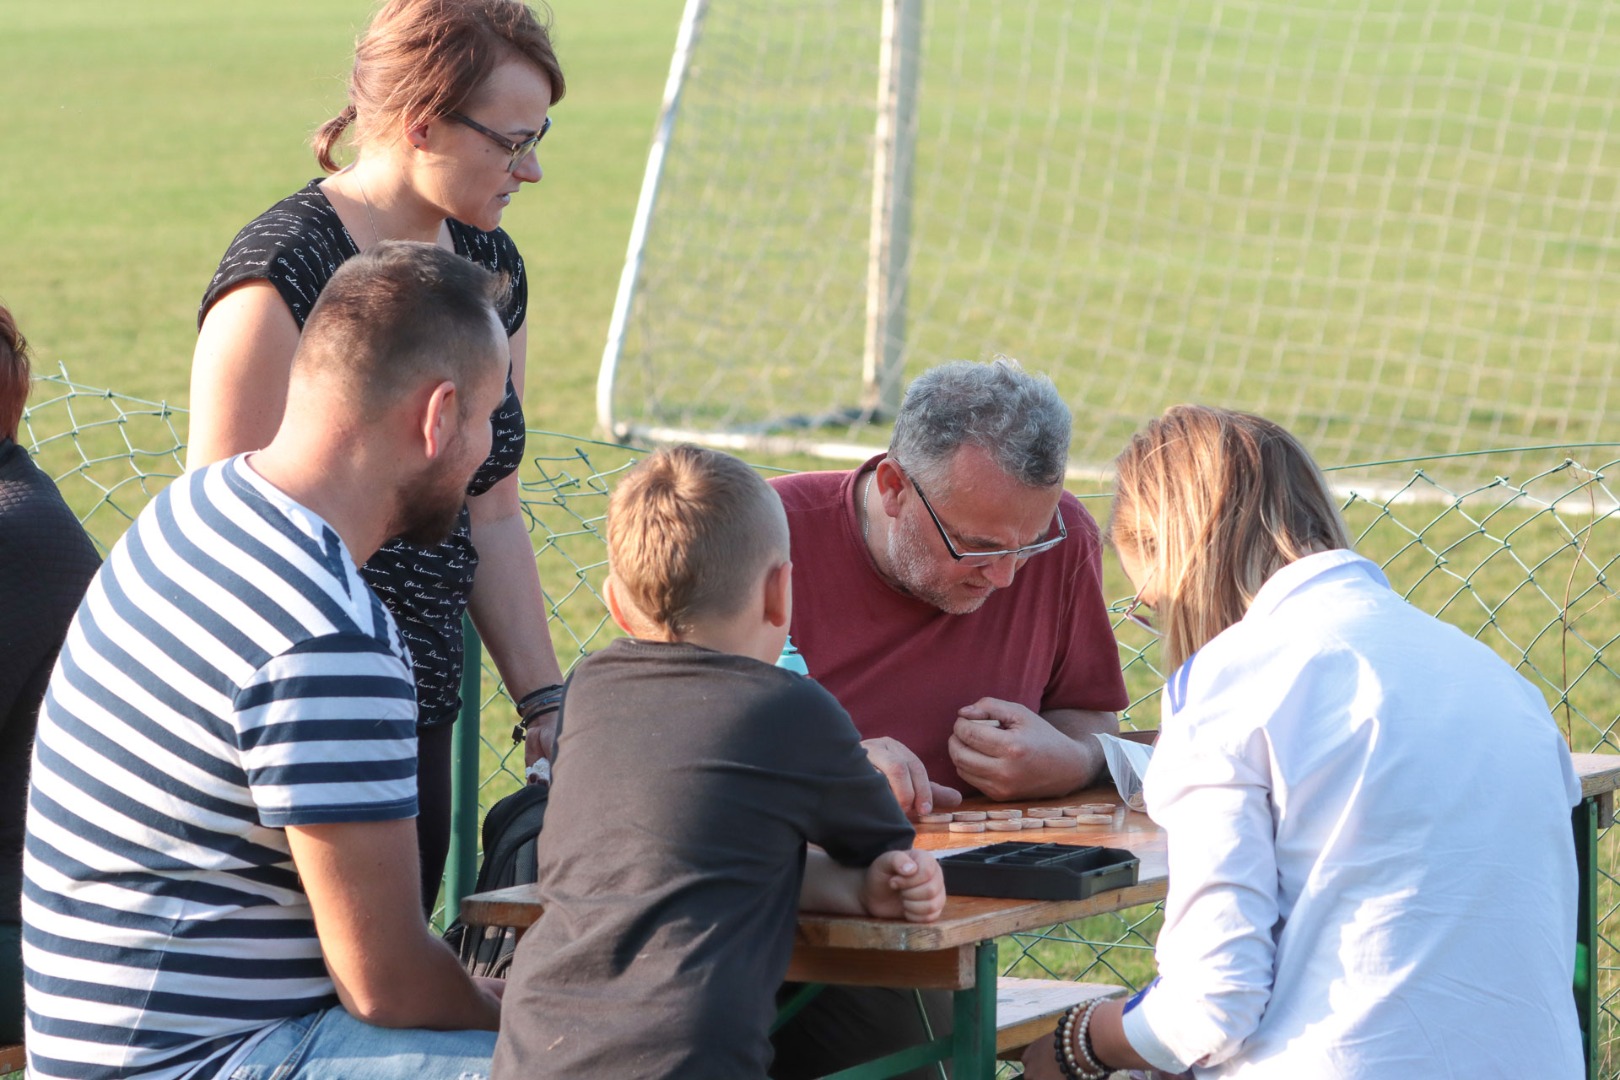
365,196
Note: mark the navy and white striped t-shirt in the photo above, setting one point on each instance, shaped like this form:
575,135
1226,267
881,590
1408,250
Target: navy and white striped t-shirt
228,674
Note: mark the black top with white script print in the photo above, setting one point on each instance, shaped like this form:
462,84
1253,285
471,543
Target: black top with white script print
297,245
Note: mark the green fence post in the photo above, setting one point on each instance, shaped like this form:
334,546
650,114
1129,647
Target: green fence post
461,870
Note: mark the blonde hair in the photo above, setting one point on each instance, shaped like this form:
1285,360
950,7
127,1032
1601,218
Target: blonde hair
1212,503
690,533
421,59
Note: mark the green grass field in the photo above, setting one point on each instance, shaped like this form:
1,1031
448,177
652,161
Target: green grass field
142,135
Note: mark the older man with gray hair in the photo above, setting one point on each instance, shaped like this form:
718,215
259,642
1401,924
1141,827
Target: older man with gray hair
949,594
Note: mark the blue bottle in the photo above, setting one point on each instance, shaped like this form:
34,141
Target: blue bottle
792,659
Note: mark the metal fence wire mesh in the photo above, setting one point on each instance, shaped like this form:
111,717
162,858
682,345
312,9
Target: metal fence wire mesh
1526,563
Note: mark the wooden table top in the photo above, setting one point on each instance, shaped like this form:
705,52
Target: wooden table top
967,920
1599,773
971,919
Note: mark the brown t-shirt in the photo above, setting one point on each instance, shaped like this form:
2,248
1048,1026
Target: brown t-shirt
687,784
903,668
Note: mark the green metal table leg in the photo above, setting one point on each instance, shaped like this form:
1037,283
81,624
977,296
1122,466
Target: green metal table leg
971,1046
973,1039
795,1005
461,869
903,1061
1585,820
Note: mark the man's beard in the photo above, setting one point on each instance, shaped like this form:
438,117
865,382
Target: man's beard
429,527
915,569
429,510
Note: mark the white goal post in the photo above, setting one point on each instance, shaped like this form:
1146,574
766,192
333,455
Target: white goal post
1391,226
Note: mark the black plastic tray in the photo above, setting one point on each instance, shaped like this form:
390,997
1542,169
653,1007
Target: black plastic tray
1034,871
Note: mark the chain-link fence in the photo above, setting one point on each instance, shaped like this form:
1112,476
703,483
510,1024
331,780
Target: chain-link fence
1527,564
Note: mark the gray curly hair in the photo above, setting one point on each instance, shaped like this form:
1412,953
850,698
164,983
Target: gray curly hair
997,406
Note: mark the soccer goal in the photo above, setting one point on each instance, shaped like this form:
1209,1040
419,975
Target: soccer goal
1389,224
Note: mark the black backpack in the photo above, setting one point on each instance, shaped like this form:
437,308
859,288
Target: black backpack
511,831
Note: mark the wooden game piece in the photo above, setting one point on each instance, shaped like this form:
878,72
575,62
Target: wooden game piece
1004,815
1091,819
969,815
1032,823
1062,822
1047,812
935,819
1005,825
967,826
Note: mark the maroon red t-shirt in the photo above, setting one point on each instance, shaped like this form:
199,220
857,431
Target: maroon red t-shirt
903,668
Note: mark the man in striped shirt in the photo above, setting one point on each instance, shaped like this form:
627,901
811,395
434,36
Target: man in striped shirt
220,877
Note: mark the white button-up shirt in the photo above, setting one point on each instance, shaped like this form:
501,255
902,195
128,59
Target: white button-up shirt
1371,866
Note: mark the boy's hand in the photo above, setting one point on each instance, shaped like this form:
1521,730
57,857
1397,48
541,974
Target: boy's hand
904,884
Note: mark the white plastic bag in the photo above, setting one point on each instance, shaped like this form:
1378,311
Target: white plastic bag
1127,763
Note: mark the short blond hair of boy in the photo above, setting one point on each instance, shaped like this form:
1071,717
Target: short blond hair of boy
691,533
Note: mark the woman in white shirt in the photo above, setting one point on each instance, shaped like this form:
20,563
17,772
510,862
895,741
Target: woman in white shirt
1371,870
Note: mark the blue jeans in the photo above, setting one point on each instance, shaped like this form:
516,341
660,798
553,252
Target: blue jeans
332,1045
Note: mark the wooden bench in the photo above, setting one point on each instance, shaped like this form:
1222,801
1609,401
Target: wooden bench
1026,1010
1029,1009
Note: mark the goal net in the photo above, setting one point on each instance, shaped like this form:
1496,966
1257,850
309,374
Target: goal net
1388,224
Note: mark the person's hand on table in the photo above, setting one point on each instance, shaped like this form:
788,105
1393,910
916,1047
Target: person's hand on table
1009,752
904,884
907,778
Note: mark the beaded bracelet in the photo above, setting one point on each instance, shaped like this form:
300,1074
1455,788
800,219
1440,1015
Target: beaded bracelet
1070,1036
533,705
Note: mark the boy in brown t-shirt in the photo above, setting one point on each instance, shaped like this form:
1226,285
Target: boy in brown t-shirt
691,776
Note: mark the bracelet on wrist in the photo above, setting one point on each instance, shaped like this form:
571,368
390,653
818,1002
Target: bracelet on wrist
534,699
520,730
532,706
1071,1045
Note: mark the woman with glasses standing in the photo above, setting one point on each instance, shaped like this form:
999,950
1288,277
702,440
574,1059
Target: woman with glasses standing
448,102
1370,864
